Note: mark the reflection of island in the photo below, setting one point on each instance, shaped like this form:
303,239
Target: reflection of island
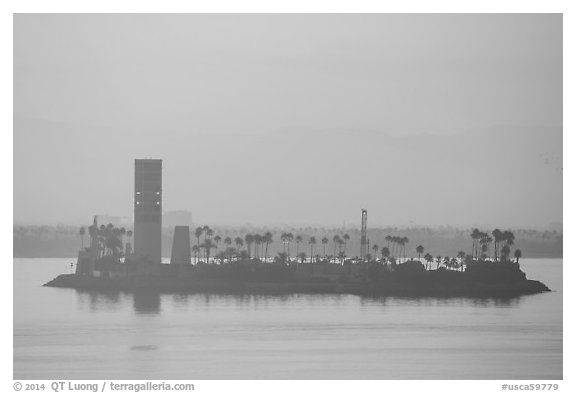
144,302
109,265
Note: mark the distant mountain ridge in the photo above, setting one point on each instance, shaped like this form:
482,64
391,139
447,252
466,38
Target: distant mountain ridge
497,176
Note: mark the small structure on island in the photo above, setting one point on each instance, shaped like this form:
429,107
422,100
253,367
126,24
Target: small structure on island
181,246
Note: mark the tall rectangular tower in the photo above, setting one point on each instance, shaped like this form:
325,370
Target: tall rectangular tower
148,209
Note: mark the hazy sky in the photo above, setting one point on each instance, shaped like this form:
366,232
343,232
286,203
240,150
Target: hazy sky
165,76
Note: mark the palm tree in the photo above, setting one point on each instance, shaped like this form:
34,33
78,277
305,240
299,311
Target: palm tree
324,242
239,243
289,238
505,253
429,259
438,261
388,239
346,237
385,251
404,241
207,246
484,250
298,240
399,243
475,235
497,239
284,240
267,239
508,238
312,242
486,241
217,239
419,250
517,254
257,243
197,233
336,239
375,248
82,232
341,253
249,239
228,241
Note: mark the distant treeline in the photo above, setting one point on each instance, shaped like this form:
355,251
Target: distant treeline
65,241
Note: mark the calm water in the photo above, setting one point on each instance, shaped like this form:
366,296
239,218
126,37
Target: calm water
68,334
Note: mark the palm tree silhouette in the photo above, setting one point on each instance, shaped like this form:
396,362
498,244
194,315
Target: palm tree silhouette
207,246
375,248
346,237
385,251
497,239
312,242
267,239
517,255
429,259
324,242
249,239
505,253
508,238
298,240
419,250
336,239
388,239
289,238
197,233
239,243
217,239
404,241
475,235
257,243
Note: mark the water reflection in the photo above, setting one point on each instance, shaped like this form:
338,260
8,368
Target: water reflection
147,302
104,301
441,301
98,300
